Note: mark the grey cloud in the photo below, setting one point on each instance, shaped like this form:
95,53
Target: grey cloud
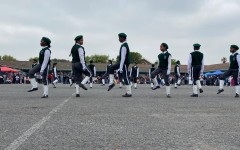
147,23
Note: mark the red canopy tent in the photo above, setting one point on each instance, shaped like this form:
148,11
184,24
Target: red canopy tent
7,69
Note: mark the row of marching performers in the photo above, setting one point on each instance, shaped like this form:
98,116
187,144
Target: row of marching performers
79,67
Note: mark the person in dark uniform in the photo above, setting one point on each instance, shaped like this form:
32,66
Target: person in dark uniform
196,68
177,74
122,66
164,68
92,68
42,67
233,70
152,80
34,63
55,75
79,66
134,73
107,72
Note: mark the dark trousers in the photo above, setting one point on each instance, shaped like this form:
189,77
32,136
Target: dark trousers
196,71
123,75
78,72
233,72
163,72
176,78
105,75
91,79
55,77
134,79
37,69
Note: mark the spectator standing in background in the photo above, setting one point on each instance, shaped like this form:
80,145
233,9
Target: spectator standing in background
92,68
177,74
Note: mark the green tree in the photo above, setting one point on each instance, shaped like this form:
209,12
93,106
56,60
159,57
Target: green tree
174,61
224,60
118,59
31,59
8,58
59,60
99,58
87,59
0,57
135,57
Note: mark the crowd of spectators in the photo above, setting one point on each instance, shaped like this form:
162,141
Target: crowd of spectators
12,78
20,78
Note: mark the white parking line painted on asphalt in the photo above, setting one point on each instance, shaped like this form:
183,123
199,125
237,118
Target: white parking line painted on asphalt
20,140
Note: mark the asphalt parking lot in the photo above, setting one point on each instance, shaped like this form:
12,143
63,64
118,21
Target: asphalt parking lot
101,120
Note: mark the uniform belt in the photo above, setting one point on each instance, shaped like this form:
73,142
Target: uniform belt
197,66
233,69
163,68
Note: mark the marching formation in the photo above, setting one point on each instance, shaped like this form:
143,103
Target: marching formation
121,69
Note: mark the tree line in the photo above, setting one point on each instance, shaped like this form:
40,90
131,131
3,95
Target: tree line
7,58
135,57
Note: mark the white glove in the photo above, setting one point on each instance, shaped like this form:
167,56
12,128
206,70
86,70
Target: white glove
168,72
84,68
120,70
41,72
190,77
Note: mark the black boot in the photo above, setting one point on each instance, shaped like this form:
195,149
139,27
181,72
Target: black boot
237,95
44,96
54,86
220,91
168,96
33,89
83,86
127,95
77,95
157,87
194,95
111,87
200,90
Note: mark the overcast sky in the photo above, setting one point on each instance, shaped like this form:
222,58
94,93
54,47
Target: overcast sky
215,24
